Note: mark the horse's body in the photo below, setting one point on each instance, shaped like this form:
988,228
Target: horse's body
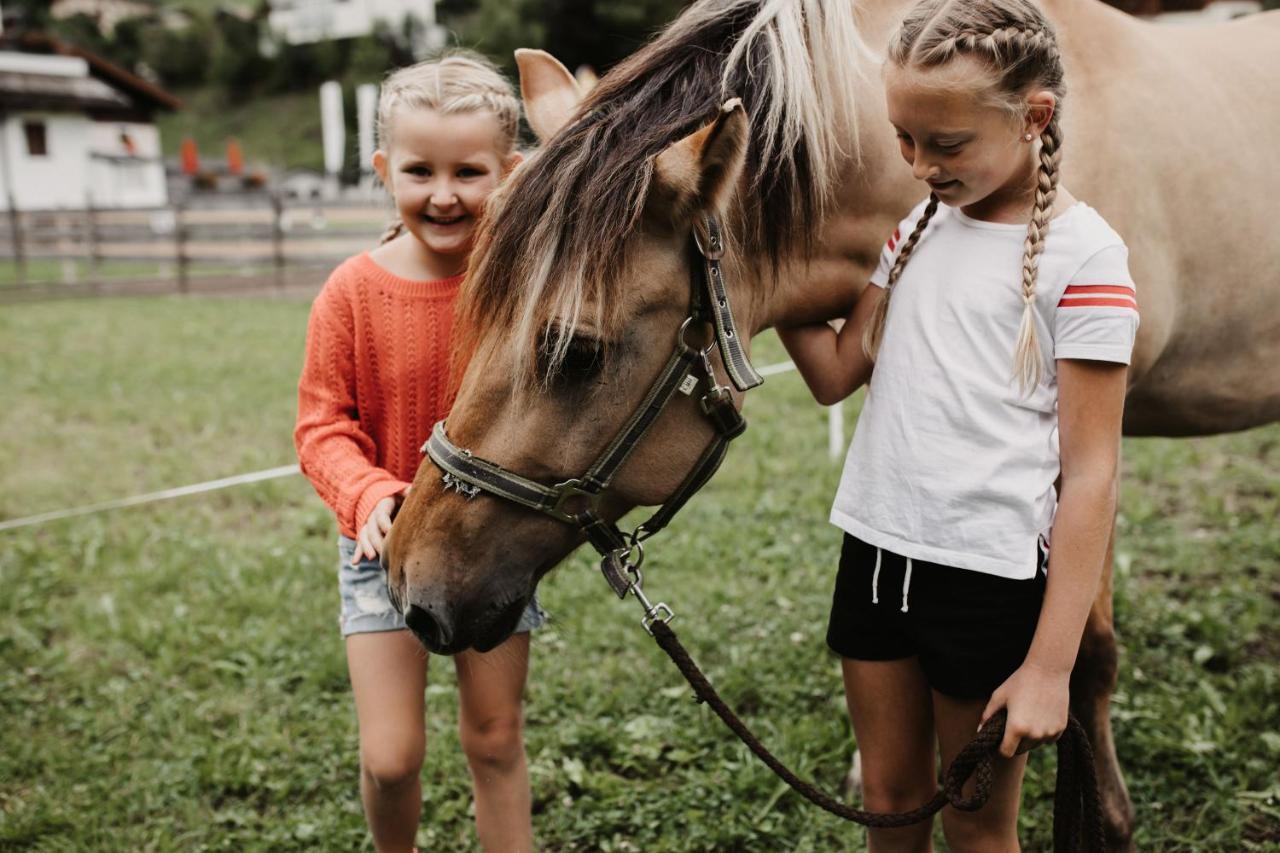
1168,132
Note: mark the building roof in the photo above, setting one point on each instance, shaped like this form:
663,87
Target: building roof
34,91
107,86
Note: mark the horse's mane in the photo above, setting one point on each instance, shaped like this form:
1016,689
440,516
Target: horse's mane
556,235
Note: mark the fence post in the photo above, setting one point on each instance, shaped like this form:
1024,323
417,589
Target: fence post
835,430
95,250
180,244
19,253
277,237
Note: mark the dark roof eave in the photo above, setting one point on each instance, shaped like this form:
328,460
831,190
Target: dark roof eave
101,67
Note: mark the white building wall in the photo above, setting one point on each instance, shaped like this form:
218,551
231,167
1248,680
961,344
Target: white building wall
87,164
307,21
56,180
120,178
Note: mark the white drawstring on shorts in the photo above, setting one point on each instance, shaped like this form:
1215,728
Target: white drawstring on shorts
875,580
906,586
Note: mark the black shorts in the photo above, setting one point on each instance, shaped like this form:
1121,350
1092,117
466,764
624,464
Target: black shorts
969,629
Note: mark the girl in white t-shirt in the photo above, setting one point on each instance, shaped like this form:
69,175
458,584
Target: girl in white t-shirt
999,325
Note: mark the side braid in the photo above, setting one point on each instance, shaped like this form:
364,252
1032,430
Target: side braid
873,334
394,230
1027,363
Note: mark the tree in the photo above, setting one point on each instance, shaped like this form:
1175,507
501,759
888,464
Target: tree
593,32
237,63
180,56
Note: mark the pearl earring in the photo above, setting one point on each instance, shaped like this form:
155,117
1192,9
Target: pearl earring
1027,137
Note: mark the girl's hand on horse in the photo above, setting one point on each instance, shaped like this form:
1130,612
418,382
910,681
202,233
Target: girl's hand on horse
374,533
1036,700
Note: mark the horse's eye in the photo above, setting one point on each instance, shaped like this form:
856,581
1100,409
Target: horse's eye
581,361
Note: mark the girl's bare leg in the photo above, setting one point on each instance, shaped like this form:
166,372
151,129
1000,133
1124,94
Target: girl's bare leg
889,704
388,677
994,827
490,725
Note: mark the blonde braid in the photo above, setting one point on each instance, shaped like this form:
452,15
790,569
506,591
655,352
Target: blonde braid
1027,364
394,230
873,334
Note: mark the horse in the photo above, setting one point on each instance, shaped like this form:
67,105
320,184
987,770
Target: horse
580,277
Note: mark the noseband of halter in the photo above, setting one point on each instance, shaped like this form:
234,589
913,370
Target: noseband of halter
577,501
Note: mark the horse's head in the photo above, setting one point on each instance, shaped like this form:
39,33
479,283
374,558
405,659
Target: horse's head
581,281
571,324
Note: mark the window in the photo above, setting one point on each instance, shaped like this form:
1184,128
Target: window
37,139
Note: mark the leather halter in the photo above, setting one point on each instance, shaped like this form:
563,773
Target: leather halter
576,501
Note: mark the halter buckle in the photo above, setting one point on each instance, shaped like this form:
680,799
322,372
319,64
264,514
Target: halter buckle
568,491
712,248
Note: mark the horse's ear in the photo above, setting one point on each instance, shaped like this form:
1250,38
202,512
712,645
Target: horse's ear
702,169
550,93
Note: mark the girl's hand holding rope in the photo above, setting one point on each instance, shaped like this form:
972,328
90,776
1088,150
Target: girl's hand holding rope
1036,700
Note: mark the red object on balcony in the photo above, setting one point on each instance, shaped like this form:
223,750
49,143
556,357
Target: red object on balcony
235,160
190,158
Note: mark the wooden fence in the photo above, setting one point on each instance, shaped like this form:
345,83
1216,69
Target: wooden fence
244,243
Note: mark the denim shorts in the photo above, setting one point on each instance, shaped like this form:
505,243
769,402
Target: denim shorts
367,609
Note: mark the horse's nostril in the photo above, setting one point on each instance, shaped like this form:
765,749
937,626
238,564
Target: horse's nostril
433,631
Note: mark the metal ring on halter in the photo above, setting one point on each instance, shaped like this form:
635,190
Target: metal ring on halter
702,351
636,550
637,579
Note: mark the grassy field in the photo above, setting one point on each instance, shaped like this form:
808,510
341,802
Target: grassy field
171,676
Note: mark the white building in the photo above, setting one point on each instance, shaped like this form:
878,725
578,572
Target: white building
307,21
75,131
105,13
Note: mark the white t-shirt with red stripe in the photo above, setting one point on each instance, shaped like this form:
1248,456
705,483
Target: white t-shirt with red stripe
950,462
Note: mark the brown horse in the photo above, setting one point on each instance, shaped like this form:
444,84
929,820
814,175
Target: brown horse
581,277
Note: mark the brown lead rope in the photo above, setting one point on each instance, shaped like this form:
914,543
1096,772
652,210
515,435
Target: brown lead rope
1077,824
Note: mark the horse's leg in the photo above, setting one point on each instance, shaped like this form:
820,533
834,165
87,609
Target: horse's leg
1092,683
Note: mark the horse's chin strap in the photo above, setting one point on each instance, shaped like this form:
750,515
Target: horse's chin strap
577,501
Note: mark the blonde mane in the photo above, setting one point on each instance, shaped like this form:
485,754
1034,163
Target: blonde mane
554,244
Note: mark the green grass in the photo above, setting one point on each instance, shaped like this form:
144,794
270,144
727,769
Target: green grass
171,676
75,271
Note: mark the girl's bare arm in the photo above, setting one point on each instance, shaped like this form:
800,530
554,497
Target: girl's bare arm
832,363
1090,406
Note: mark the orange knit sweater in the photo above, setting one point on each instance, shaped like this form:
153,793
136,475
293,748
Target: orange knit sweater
373,384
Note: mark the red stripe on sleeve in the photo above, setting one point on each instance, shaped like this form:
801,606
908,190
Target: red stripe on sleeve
1099,302
1099,288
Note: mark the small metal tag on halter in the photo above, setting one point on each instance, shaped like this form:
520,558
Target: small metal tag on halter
688,384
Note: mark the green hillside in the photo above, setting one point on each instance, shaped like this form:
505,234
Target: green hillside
279,131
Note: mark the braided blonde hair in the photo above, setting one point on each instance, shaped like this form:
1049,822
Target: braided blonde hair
1018,43
461,82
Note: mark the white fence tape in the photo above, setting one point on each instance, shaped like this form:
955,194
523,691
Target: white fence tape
835,447
150,497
